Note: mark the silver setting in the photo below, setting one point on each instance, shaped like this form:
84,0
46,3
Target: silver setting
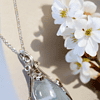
58,82
31,67
28,62
38,77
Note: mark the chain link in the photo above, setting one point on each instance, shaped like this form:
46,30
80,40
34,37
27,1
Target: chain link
19,31
8,44
18,25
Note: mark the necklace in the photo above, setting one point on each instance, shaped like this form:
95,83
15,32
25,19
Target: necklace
41,86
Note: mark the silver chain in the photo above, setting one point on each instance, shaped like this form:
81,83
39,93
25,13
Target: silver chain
8,44
19,31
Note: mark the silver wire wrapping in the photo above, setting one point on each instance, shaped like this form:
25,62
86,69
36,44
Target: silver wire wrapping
31,67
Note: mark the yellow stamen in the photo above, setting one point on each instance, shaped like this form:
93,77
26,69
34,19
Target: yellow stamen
87,13
73,38
86,60
88,32
74,18
79,65
63,13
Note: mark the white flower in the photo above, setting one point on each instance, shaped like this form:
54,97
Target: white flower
88,34
93,73
71,57
64,14
80,28
76,9
88,73
78,66
89,8
59,11
84,73
81,66
71,42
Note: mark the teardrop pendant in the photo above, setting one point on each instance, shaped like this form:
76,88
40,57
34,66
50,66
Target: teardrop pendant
48,90
41,86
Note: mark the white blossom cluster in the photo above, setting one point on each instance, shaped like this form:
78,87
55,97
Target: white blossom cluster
80,28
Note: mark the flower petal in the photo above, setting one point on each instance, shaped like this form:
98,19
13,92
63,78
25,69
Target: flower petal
73,2
85,73
55,9
79,34
93,23
84,17
69,43
67,32
96,22
56,15
71,57
70,22
89,7
65,43
90,23
58,5
84,79
93,73
96,36
73,8
64,2
77,71
73,66
59,21
86,66
61,29
96,15
79,59
78,14
71,13
78,50
82,42
92,47
80,24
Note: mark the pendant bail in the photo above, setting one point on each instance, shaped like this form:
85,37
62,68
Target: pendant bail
31,66
25,58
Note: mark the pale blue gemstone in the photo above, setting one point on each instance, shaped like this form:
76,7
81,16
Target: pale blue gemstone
47,90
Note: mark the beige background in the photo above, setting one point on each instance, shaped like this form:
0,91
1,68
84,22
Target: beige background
39,34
